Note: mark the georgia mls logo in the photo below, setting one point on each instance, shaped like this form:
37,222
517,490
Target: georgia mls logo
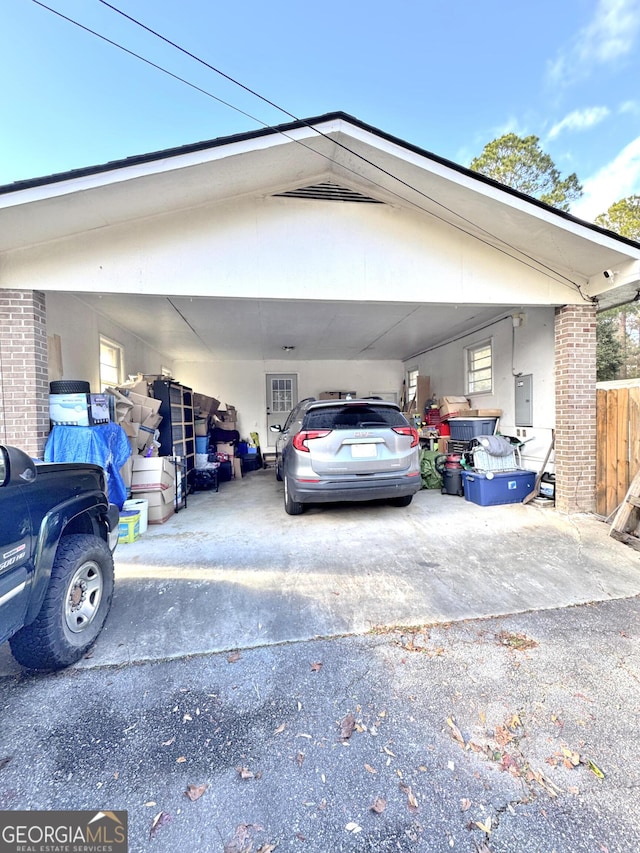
63,832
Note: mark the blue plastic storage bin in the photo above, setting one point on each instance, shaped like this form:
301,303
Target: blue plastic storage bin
202,444
464,429
504,487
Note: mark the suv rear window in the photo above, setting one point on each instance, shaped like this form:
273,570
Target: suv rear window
353,417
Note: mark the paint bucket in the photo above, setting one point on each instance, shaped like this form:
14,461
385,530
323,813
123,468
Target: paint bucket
129,527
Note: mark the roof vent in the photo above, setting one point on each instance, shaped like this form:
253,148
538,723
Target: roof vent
328,192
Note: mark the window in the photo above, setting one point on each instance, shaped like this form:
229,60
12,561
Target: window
111,363
412,390
479,369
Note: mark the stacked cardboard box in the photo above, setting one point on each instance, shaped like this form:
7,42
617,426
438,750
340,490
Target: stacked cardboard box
137,414
154,480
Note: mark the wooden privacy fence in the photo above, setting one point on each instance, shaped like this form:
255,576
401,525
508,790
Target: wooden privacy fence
618,445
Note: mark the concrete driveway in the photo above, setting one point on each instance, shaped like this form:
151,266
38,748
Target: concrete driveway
234,571
485,732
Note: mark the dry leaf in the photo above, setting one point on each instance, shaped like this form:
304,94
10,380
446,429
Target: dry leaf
502,736
245,773
159,820
378,805
150,803
388,751
316,667
595,769
347,725
169,742
572,757
181,760
370,769
353,827
411,800
242,841
266,848
232,657
300,758
194,792
455,731
187,718
280,729
485,827
465,805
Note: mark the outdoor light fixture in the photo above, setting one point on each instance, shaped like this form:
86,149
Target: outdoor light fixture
288,348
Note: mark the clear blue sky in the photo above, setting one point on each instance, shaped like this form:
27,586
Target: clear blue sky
447,76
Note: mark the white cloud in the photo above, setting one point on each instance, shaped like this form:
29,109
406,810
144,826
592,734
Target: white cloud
579,120
615,181
610,35
630,107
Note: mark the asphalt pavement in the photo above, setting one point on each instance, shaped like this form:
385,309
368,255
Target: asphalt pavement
335,729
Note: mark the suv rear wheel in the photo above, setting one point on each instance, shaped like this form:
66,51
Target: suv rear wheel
291,507
74,609
405,500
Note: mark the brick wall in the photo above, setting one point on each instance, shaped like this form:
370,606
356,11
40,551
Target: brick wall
24,376
575,437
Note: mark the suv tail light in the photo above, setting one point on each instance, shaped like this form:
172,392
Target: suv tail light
301,438
408,430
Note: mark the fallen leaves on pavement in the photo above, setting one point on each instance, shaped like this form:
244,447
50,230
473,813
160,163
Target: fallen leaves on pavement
242,841
194,792
161,819
519,642
412,803
378,805
347,725
233,657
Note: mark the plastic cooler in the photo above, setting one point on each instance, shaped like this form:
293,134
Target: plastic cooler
492,489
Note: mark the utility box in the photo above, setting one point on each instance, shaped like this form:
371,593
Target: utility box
524,400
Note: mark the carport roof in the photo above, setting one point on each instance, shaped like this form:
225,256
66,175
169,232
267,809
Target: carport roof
335,147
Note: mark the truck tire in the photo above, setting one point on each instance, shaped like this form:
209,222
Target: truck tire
291,507
74,609
69,386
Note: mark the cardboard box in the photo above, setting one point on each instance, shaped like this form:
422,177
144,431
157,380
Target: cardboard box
225,447
237,467
121,404
205,405
153,474
126,471
78,409
336,395
201,426
483,413
147,402
160,505
453,407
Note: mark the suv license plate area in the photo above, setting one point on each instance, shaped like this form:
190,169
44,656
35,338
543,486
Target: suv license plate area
363,451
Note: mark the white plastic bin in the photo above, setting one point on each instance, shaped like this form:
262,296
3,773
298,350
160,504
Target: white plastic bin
141,506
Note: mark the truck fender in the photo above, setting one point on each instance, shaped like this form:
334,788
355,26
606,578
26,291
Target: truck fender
54,523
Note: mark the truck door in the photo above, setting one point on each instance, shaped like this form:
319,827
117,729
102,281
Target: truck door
15,553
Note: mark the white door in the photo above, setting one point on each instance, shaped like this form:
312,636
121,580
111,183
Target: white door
282,395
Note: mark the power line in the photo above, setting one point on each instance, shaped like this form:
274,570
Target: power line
535,264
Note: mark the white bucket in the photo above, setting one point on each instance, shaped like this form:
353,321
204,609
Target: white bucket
142,507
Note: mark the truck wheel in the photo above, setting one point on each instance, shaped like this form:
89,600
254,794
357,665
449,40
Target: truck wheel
74,609
291,507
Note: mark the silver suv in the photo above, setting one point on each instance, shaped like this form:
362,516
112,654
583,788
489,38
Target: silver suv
347,450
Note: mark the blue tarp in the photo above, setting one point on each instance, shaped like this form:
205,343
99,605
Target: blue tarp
106,445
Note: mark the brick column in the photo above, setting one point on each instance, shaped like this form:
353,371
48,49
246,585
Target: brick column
24,374
575,439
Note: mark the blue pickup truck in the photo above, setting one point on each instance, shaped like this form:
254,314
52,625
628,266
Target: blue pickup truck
58,532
